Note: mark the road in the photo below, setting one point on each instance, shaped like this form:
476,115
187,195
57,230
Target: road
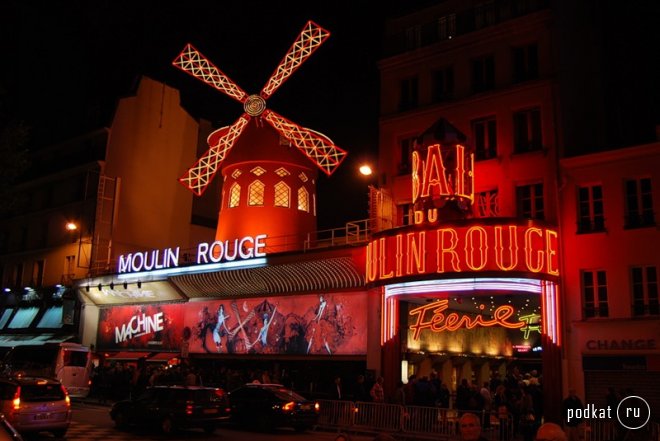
92,422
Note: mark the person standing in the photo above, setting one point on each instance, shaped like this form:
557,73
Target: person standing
572,426
377,392
337,392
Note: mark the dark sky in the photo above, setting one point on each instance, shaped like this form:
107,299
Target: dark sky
67,62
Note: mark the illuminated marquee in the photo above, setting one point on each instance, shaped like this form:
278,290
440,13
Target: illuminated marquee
218,251
463,248
439,321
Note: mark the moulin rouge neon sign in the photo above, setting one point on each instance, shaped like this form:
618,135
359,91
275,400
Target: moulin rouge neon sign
438,321
464,248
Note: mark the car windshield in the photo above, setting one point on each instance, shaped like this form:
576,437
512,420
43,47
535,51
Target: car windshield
287,394
41,392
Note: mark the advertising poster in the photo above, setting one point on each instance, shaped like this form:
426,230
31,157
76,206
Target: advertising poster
324,324
141,327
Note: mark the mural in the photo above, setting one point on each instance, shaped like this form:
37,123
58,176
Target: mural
323,324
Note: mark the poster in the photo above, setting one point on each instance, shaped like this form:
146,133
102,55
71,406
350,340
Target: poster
317,324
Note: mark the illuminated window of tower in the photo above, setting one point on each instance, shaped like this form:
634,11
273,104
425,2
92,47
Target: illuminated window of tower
234,195
282,195
258,171
303,199
303,177
282,172
256,193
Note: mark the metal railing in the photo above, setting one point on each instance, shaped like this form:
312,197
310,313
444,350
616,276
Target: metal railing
417,421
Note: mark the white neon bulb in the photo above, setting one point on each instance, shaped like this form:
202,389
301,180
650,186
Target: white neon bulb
451,285
210,267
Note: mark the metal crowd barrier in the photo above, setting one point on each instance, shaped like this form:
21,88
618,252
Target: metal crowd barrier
418,421
605,430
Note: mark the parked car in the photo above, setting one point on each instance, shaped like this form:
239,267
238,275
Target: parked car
272,405
7,431
173,407
35,404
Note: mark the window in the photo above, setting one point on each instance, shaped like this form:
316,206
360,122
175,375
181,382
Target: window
447,27
234,195
645,290
18,275
256,193
483,74
487,204
525,63
590,209
527,130
530,201
443,84
406,214
413,37
639,203
594,294
70,266
484,133
38,273
303,199
409,91
485,14
282,195
407,146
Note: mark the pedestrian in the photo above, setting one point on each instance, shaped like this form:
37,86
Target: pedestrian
550,432
469,427
399,394
572,425
377,392
360,393
337,393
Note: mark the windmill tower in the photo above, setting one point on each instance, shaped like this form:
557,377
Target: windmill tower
269,186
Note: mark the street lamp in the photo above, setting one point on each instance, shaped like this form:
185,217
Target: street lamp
366,170
71,226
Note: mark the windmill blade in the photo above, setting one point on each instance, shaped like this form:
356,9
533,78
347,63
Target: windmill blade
198,177
316,146
191,61
310,38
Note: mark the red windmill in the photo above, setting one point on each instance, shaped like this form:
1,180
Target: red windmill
316,147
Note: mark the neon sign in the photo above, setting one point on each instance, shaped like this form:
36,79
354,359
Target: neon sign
446,173
463,248
439,321
218,251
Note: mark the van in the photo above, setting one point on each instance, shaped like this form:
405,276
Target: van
69,363
35,404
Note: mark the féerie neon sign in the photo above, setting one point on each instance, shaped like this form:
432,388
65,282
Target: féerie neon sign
439,321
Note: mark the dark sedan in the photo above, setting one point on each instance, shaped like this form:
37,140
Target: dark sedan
173,407
272,405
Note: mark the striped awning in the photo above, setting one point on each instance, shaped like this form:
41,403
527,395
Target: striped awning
303,276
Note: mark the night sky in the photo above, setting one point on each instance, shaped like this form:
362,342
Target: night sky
66,64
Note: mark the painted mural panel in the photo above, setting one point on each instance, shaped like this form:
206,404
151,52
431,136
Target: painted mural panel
324,324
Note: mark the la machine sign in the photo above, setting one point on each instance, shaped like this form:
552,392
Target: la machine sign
219,251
